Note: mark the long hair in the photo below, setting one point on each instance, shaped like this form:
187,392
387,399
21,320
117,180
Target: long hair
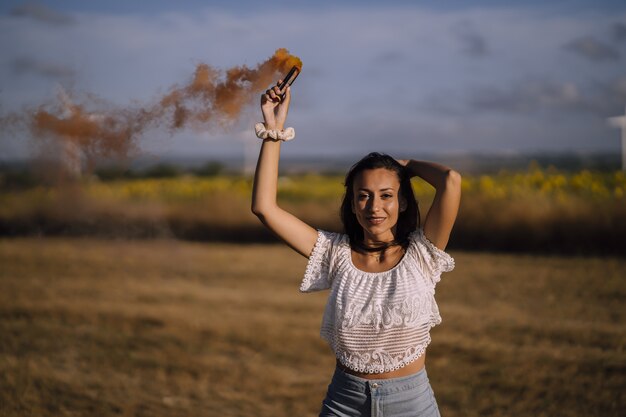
408,219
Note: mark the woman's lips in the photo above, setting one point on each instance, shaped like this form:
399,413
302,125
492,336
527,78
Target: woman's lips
375,220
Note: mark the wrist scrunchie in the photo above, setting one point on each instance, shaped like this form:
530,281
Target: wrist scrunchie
284,135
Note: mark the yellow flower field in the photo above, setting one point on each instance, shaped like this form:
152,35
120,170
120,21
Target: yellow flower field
531,210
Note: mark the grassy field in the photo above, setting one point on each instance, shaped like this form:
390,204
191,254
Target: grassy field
155,328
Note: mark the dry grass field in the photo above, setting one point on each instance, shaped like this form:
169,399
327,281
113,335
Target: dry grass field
167,328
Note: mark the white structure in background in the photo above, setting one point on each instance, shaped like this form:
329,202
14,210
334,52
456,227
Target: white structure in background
70,155
620,122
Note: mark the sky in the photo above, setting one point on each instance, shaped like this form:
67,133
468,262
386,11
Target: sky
402,77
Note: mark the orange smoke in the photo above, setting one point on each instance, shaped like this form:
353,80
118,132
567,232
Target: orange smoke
208,99
211,98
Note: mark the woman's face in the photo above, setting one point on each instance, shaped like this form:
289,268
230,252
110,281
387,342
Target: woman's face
377,203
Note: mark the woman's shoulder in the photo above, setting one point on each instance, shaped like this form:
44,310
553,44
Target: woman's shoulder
319,270
427,252
329,238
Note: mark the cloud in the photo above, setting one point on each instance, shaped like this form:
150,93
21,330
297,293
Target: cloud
526,97
533,96
618,87
472,42
592,49
618,30
41,13
46,69
611,96
390,57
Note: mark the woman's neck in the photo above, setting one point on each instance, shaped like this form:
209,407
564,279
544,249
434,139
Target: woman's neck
372,241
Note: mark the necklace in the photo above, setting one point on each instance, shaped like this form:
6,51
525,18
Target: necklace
374,255
378,255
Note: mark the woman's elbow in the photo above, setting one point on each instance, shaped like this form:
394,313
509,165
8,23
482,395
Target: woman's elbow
257,210
452,181
453,178
261,210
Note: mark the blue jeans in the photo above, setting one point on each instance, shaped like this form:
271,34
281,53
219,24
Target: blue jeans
351,396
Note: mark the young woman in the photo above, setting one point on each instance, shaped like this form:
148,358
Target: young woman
381,272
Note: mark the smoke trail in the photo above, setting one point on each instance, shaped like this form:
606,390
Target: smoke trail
92,130
206,99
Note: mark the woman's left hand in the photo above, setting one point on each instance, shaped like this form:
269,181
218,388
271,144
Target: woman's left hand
274,107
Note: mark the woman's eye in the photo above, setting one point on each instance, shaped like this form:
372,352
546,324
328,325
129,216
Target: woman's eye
363,196
387,196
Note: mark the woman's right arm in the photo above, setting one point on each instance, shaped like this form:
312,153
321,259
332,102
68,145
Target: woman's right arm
296,233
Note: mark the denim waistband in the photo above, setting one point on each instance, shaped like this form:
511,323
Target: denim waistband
382,386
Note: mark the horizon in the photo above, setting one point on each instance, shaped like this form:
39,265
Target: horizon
470,163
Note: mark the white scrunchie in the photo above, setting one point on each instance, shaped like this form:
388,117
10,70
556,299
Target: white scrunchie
263,133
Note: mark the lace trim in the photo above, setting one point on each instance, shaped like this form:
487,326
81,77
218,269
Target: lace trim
379,361
315,263
443,261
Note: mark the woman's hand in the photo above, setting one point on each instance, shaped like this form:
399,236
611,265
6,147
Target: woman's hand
402,162
274,107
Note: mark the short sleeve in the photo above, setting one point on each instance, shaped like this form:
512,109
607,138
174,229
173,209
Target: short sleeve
317,275
433,260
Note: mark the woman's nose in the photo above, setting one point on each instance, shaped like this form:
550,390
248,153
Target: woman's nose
374,205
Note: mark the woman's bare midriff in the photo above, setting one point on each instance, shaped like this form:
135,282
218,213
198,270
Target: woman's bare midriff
407,370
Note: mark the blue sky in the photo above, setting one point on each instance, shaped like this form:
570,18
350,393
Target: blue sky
403,77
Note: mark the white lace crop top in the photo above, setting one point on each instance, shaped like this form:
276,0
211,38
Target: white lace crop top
376,321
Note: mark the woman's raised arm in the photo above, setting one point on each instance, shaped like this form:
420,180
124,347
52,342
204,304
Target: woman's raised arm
296,233
443,211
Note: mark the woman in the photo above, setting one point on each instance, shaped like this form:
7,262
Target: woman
381,273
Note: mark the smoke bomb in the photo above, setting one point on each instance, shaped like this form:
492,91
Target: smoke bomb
289,78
